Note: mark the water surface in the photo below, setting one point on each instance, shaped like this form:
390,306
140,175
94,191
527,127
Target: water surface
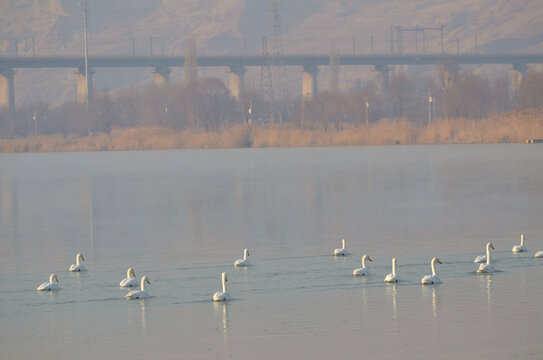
183,217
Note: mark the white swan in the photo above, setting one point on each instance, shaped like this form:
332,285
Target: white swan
244,261
342,251
487,268
139,294
130,280
432,279
521,247
362,271
51,285
224,295
539,254
481,258
78,266
392,277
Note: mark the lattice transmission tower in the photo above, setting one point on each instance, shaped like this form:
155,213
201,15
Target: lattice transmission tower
273,74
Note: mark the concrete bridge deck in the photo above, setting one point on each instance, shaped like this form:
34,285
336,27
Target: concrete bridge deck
237,66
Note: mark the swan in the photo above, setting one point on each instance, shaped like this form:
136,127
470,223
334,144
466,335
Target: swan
51,285
432,279
362,271
392,277
130,279
487,268
539,254
521,247
139,294
78,266
224,295
481,258
244,261
342,251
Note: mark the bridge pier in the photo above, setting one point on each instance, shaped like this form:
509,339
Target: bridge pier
162,75
382,76
82,86
236,81
310,87
517,73
7,89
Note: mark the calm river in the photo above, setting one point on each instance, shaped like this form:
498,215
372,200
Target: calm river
183,217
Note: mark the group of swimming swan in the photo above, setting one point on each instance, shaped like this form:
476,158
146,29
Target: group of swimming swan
131,281
484,267
393,277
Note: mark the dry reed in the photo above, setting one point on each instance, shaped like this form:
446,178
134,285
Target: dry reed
511,127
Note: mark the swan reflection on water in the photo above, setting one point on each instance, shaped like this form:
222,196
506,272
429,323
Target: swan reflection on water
221,313
486,283
143,318
433,290
392,291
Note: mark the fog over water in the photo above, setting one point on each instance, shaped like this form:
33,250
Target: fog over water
183,217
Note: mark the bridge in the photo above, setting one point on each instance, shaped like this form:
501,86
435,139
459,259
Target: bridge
236,65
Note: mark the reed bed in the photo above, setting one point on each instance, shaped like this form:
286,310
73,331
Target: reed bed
514,127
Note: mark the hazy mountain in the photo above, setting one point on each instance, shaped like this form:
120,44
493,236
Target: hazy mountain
52,27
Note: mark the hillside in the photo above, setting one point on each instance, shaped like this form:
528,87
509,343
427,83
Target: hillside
235,26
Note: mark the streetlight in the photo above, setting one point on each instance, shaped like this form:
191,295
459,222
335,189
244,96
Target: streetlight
367,106
35,118
429,107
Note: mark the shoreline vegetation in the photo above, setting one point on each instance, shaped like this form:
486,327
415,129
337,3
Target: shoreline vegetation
512,127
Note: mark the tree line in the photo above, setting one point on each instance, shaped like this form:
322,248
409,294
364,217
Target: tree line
206,105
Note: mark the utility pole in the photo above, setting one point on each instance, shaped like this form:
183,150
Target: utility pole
391,41
457,45
442,43
84,6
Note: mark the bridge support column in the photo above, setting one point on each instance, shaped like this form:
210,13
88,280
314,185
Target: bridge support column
310,87
517,73
7,89
82,86
236,81
382,76
162,75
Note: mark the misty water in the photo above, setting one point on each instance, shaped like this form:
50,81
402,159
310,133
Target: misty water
183,217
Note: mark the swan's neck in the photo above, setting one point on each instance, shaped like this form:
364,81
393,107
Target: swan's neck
245,254
143,279
394,266
364,261
521,239
52,278
487,254
78,259
433,267
128,273
223,282
343,243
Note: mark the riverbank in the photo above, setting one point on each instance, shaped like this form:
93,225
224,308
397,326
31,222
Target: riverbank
514,127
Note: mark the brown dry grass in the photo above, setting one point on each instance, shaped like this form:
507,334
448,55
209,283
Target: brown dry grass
511,127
